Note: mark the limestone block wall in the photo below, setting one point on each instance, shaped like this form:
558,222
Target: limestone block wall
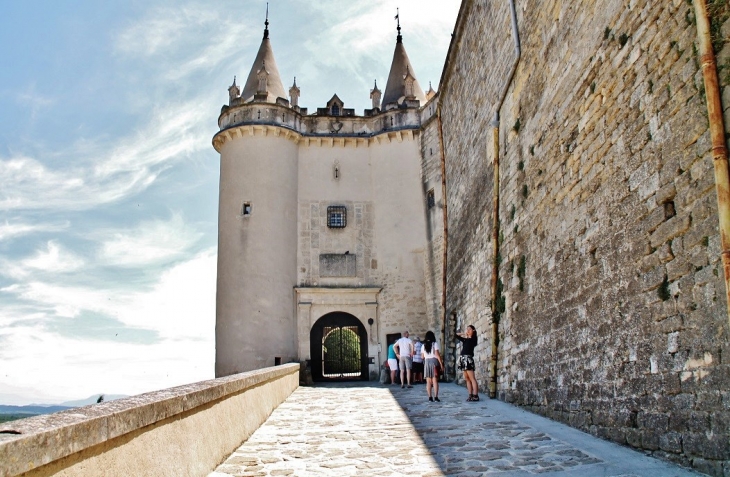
615,319
431,172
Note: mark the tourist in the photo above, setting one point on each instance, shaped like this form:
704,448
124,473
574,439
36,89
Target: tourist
431,360
466,361
392,363
404,351
417,361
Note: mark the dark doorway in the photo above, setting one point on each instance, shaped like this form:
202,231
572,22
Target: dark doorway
339,350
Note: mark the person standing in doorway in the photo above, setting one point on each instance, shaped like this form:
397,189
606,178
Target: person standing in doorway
466,361
392,363
417,361
431,360
404,350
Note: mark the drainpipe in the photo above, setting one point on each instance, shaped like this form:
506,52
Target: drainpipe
495,219
446,226
717,133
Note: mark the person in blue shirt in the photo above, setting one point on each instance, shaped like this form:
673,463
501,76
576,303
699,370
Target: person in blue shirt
392,363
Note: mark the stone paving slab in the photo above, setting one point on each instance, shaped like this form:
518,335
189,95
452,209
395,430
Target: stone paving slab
367,429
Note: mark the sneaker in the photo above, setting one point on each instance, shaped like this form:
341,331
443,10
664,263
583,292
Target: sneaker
430,399
437,399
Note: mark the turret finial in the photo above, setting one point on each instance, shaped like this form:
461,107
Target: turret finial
266,23
397,17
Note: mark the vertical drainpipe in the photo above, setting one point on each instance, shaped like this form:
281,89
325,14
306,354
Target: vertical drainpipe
495,219
717,133
446,226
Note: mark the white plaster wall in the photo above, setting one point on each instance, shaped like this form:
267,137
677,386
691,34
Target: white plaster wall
255,315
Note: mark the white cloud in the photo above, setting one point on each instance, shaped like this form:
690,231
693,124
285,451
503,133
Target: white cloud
54,259
17,229
130,166
174,307
180,308
181,304
74,368
184,39
151,242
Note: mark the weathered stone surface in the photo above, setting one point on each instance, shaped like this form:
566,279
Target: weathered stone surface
609,256
391,431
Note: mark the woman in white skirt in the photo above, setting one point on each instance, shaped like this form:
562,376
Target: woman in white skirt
431,359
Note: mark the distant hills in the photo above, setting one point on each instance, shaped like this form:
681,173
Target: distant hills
12,413
92,400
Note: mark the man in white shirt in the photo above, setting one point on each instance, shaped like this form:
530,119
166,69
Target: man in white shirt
404,352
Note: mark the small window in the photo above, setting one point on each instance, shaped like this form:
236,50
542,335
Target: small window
335,110
337,216
246,210
430,199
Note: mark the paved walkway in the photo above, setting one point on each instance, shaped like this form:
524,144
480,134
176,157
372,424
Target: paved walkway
374,430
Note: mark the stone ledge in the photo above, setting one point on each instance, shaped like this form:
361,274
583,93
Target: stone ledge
33,442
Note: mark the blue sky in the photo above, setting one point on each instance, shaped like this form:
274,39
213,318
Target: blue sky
109,182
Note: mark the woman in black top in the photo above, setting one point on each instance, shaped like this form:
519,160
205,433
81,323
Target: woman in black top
466,361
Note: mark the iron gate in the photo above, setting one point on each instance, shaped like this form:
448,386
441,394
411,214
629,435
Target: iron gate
340,352
339,348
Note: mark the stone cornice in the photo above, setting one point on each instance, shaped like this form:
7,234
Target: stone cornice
310,140
278,120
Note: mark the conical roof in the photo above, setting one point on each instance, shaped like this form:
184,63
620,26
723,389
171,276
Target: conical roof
395,89
264,58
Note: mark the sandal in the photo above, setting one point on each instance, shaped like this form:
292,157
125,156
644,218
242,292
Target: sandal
470,398
475,398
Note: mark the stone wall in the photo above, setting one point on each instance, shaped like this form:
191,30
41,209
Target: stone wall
431,172
615,319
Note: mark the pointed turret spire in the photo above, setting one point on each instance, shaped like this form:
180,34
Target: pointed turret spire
401,74
399,38
233,92
430,93
264,65
294,93
266,23
375,95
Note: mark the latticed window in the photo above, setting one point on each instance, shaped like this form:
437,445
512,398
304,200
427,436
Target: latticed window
336,216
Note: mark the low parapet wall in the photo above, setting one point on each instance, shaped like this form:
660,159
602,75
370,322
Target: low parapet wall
182,431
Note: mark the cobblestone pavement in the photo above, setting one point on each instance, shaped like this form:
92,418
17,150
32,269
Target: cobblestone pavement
373,430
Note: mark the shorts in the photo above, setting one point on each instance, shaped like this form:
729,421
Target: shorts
406,362
393,364
418,367
466,363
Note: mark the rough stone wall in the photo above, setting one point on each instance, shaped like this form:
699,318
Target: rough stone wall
615,319
431,172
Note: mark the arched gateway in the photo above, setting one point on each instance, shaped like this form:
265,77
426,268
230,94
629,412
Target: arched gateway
339,348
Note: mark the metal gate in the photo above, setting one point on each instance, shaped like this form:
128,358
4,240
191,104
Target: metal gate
339,348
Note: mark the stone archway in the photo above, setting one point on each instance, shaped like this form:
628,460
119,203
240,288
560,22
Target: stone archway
339,351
